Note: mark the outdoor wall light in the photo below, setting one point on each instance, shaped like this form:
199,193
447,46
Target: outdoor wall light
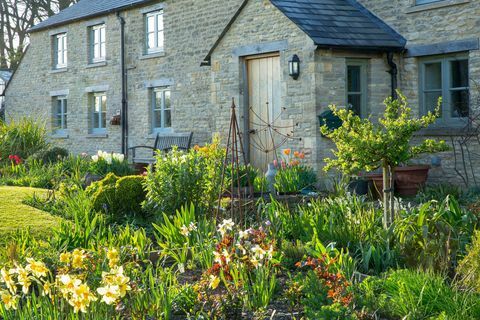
294,67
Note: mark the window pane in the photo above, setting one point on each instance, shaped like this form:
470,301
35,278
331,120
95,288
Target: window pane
151,41
431,101
460,103
104,119
150,24
102,34
168,102
433,76
160,21
97,105
58,110
157,119
158,100
104,103
168,118
96,50
353,79
459,71
355,103
65,106
102,50
96,120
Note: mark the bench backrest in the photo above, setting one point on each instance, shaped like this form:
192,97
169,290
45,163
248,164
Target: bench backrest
165,142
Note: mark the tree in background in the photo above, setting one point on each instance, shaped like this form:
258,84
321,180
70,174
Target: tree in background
16,18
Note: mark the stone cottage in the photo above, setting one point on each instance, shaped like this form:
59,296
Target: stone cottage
112,74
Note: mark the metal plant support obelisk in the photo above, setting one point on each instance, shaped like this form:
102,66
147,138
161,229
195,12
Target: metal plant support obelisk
240,197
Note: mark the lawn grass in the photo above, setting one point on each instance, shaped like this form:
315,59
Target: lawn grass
14,215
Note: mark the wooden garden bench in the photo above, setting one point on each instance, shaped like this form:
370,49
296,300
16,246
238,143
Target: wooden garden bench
163,142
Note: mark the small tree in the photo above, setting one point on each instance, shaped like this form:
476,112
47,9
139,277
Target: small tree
364,145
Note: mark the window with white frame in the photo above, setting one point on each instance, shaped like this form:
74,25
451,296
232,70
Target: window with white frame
98,113
356,85
97,43
446,77
154,36
161,110
60,50
60,113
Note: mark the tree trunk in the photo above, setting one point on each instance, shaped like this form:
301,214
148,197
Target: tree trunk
388,197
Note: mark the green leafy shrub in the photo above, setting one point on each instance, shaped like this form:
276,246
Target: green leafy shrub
246,175
23,138
118,197
52,155
468,271
180,178
411,295
433,235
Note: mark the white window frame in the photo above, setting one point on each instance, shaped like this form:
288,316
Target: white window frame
60,50
363,64
162,109
63,115
98,39
446,119
158,32
96,97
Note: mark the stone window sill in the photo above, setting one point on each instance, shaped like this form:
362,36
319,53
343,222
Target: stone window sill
96,64
153,55
435,5
59,136
97,136
59,70
447,132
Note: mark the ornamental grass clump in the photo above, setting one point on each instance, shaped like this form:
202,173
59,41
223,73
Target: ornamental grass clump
293,174
366,145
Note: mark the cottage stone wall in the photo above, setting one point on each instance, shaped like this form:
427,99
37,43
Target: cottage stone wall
201,96
439,22
259,25
191,28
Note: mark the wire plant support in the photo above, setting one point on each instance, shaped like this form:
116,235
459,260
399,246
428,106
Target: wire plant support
241,197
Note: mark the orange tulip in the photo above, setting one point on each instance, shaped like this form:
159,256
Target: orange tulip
287,152
296,154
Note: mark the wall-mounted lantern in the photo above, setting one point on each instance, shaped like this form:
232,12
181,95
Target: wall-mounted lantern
294,67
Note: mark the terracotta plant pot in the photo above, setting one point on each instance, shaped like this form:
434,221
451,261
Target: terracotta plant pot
377,184
409,180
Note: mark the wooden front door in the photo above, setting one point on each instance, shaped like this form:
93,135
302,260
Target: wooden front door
264,108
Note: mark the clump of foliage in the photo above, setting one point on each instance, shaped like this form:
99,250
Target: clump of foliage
362,144
406,294
433,235
468,272
52,155
118,197
293,176
22,138
180,178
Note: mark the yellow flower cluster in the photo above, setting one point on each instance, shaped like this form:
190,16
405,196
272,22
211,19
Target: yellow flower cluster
76,258
115,286
77,293
68,285
24,276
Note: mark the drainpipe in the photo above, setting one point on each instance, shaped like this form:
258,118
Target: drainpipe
124,112
394,74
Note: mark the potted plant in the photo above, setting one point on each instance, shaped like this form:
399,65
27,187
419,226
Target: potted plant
365,145
409,179
292,176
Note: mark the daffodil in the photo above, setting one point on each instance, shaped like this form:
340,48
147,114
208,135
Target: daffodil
214,282
23,278
77,258
217,257
109,294
37,268
8,280
184,231
9,301
113,257
65,257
